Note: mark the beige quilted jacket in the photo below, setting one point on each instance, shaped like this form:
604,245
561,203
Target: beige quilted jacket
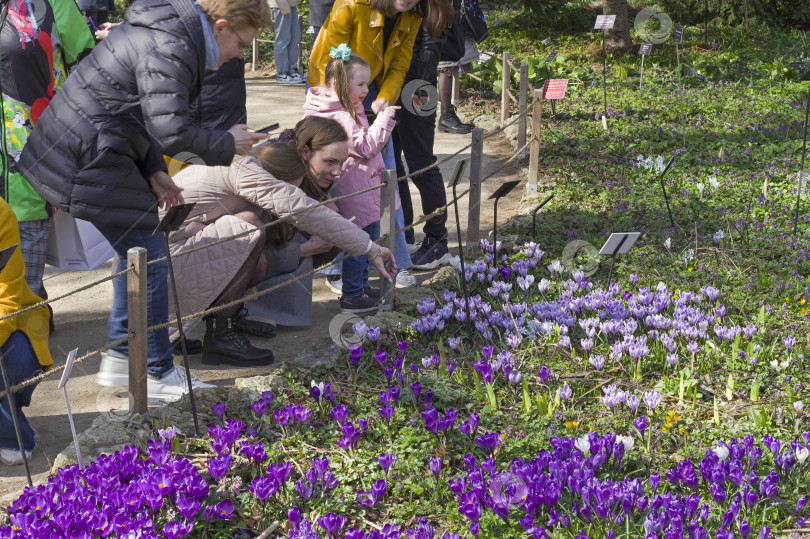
219,194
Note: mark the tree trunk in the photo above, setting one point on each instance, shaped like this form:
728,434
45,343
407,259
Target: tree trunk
618,39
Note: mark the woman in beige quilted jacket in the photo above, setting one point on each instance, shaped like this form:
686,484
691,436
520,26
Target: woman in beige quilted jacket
241,198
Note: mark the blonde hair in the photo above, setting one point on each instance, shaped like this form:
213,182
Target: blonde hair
339,71
251,13
317,132
435,14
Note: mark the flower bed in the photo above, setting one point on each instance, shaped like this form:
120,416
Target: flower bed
494,434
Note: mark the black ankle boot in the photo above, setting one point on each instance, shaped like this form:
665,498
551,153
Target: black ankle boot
223,342
450,122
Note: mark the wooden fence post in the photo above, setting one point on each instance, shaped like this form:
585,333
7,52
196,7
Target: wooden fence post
524,91
534,153
255,55
474,198
505,85
388,204
136,304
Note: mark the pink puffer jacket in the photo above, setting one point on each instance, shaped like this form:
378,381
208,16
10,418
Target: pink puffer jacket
365,163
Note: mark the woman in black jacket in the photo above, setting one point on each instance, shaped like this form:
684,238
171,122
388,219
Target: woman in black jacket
97,150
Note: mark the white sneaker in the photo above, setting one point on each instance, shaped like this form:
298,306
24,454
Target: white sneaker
335,284
196,383
13,457
413,247
114,371
172,386
405,279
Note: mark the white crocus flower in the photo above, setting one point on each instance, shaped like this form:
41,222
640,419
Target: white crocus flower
555,267
802,454
775,364
700,187
798,406
583,445
721,451
627,441
668,244
714,183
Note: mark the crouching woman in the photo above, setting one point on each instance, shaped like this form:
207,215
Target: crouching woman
239,199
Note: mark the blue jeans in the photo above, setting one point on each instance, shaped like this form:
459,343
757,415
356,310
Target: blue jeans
355,269
21,363
288,35
401,254
158,348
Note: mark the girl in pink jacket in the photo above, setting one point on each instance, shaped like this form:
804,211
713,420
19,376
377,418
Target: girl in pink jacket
340,97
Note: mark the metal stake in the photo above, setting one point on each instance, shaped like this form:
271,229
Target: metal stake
534,214
12,408
801,170
182,334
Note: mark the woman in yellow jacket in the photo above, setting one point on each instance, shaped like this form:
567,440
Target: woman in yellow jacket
381,32
23,340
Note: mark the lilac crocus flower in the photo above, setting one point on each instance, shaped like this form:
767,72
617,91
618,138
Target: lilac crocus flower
597,361
652,399
373,334
565,393
543,374
633,403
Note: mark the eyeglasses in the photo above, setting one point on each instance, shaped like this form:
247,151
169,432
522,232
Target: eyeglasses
242,42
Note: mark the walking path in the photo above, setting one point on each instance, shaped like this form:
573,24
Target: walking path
81,319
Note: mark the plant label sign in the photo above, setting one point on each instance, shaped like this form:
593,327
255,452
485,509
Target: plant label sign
604,22
551,57
555,88
645,49
798,66
678,34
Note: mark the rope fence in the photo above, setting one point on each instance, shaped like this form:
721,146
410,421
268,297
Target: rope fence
131,270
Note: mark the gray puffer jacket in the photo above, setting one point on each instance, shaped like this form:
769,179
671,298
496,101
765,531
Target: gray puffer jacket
123,107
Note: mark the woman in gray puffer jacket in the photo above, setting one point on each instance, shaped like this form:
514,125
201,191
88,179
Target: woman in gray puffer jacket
97,150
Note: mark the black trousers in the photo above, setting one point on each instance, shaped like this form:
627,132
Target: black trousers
413,137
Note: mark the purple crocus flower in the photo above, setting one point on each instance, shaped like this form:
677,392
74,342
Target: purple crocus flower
332,524
224,509
339,413
641,424
543,374
218,409
258,407
386,412
436,467
488,442
386,460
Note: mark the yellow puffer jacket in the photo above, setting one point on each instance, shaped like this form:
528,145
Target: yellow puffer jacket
356,23
15,294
